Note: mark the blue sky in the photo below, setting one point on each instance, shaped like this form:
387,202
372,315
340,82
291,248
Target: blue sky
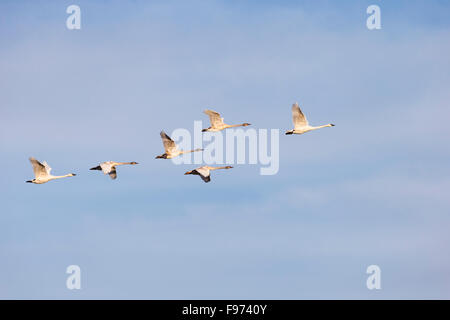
371,190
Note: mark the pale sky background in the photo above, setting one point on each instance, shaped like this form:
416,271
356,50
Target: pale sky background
371,190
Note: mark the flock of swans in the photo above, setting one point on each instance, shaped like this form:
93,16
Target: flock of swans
301,125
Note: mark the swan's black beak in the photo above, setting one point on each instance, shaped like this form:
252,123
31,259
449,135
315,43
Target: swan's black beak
29,181
204,130
73,174
96,168
332,124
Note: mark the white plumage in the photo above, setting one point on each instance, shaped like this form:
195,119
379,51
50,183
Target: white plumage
42,172
301,124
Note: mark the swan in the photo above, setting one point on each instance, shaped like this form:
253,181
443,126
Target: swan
217,123
171,148
301,125
109,167
42,172
204,172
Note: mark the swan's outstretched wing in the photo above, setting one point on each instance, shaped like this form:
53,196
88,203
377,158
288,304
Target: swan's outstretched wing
204,173
169,144
38,168
47,167
113,173
106,167
298,117
214,118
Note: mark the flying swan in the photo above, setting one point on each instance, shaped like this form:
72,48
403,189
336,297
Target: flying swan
171,148
109,167
42,172
217,123
301,125
204,172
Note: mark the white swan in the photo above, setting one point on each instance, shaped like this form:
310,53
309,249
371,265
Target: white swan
217,123
301,125
42,172
109,167
171,148
204,172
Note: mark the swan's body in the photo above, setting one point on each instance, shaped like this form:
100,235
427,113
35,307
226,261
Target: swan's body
204,172
301,124
217,123
109,167
42,172
171,148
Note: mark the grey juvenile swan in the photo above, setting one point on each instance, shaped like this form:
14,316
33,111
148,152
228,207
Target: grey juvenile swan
204,172
109,167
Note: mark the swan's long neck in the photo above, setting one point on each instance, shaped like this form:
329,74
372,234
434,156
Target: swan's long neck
189,151
323,126
236,125
60,177
217,168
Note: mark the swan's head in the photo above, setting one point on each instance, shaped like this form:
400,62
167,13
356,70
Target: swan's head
204,130
30,181
290,132
163,156
246,124
189,172
228,167
332,125
72,174
133,162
